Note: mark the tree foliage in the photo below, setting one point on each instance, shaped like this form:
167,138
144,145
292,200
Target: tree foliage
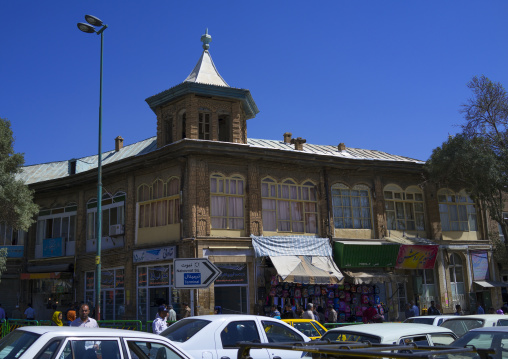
476,159
3,260
16,199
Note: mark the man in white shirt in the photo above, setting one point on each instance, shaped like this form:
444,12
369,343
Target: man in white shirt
308,313
172,314
30,312
160,324
84,321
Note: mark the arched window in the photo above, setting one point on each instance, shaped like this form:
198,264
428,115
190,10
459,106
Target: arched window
113,213
456,277
351,207
227,195
159,204
288,207
457,211
404,209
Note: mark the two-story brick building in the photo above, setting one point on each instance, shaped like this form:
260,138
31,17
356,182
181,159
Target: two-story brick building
285,221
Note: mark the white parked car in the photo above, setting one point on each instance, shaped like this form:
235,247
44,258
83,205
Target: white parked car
429,319
42,342
460,325
483,338
392,333
215,336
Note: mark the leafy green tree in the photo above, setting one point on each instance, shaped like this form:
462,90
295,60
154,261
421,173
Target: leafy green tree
477,159
17,209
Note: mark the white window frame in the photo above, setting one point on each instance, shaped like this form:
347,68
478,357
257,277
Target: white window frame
42,222
460,204
405,209
227,194
91,293
7,236
91,214
343,203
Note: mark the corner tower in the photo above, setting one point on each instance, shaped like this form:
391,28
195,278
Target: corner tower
203,106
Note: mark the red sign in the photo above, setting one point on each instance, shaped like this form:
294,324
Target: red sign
416,257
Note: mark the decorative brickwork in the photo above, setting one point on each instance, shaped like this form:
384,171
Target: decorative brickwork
253,200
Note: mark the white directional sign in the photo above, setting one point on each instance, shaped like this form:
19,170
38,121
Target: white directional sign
193,273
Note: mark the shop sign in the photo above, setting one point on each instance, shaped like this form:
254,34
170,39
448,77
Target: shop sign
154,254
480,261
52,247
416,257
14,251
232,273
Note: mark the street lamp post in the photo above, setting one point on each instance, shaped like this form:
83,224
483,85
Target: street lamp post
94,22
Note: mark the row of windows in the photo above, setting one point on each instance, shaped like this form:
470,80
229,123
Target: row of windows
286,207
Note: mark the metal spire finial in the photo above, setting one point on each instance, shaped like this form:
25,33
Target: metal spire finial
206,39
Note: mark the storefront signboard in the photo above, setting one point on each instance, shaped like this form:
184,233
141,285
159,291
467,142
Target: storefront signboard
14,251
416,257
232,274
480,261
154,254
52,247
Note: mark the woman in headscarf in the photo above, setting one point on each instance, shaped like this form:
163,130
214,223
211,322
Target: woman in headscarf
57,319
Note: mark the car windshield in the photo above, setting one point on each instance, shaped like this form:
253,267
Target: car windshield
463,325
420,320
183,330
16,343
483,340
350,337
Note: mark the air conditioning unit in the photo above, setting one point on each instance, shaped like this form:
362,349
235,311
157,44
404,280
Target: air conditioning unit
116,230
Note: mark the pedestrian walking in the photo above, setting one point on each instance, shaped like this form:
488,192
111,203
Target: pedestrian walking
71,315
458,310
332,314
479,308
415,309
56,319
16,313
308,314
432,309
321,315
171,314
160,323
84,320
30,312
186,311
2,314
409,311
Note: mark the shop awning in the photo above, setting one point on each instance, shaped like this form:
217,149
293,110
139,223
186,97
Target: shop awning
307,269
374,276
52,275
300,259
66,267
356,254
490,283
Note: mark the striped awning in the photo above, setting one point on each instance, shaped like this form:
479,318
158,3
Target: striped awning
291,246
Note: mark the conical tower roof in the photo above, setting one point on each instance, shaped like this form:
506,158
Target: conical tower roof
205,71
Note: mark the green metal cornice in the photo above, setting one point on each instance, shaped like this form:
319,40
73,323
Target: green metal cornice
249,106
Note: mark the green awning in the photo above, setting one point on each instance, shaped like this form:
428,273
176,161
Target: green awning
368,254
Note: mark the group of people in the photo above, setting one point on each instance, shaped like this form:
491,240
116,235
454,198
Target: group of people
29,313
310,312
412,310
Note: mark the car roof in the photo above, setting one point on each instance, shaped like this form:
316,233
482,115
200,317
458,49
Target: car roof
490,329
80,331
388,331
481,316
434,316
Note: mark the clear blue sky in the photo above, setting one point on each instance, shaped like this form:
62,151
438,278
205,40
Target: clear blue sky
384,75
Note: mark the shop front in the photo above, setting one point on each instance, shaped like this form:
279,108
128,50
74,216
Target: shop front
154,269
49,286
487,290
370,267
293,271
231,288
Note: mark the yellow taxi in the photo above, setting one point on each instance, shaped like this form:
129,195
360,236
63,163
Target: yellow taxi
311,328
